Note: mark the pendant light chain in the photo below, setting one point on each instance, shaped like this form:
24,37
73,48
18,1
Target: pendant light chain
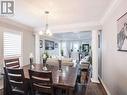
46,30
46,25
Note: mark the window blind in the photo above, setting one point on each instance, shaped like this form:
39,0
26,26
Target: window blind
12,44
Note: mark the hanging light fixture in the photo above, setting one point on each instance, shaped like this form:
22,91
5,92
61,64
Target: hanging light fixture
46,32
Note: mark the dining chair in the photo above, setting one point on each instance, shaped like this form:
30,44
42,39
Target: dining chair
12,62
16,81
41,82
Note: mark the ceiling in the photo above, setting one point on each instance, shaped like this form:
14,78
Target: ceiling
62,12
83,35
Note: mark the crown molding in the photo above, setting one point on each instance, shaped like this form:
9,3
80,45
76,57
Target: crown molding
11,24
73,27
49,38
82,39
109,10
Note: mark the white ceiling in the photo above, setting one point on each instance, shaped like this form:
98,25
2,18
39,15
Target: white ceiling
62,12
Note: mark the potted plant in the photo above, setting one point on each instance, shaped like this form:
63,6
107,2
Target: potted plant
62,53
44,57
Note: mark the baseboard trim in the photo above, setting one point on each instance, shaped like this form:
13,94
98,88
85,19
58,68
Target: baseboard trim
95,81
106,89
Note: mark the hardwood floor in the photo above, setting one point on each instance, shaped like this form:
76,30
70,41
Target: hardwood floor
86,87
81,88
92,89
95,89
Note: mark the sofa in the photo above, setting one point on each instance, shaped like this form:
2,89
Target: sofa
65,62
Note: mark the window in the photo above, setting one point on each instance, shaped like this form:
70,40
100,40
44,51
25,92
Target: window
75,46
12,44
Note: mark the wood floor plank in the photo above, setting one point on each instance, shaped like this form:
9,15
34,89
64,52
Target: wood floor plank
84,89
95,89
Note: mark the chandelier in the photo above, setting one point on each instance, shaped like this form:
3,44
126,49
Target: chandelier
46,31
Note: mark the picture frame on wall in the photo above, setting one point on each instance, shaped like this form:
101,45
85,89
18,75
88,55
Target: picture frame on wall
56,45
49,45
99,41
85,48
122,33
41,44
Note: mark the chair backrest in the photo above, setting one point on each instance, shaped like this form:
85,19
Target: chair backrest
15,77
12,62
41,81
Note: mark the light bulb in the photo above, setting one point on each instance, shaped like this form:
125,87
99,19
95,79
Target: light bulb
31,55
40,33
47,31
50,34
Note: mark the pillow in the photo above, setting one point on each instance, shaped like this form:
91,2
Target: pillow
85,59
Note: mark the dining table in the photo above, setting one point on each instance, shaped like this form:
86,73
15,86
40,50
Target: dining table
63,79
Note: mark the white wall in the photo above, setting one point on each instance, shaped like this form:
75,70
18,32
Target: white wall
1,51
27,38
114,67
28,46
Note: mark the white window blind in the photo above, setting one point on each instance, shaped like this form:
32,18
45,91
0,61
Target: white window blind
12,44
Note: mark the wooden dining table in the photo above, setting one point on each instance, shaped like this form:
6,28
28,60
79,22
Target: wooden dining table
65,79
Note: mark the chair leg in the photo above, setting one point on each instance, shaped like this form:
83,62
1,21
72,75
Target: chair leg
32,92
52,91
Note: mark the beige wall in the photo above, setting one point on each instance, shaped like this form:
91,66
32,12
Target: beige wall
27,38
114,69
28,46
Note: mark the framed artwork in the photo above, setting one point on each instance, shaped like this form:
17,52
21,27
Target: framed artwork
41,44
85,48
99,41
122,33
49,45
56,45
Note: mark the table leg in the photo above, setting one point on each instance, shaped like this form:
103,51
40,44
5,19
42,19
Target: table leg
71,91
